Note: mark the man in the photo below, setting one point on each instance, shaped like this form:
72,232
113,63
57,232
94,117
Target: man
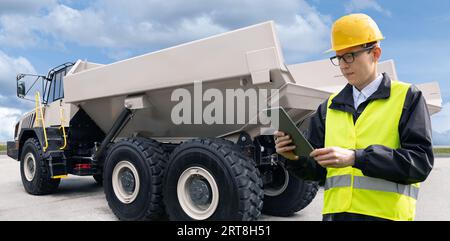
373,138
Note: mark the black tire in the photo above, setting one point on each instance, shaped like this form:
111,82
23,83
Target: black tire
239,185
41,183
98,179
297,195
149,160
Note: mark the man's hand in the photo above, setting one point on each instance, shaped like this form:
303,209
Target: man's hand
283,147
335,157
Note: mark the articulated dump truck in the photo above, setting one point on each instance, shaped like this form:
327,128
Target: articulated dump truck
146,130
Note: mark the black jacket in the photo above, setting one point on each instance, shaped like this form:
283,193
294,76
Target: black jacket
409,164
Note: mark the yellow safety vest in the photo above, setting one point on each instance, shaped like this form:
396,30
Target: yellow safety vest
347,189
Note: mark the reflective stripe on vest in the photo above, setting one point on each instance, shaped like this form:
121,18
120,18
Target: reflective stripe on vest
370,183
348,189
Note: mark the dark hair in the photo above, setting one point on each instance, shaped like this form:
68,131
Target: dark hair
367,45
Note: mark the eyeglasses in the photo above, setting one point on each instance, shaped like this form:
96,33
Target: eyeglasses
349,57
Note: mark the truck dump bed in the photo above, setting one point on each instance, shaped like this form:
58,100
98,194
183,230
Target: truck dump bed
249,51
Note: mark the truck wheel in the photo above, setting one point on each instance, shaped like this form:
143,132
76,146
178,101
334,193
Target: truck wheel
208,179
35,171
133,175
287,194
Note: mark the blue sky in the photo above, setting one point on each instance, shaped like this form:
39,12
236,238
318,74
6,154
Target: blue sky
36,35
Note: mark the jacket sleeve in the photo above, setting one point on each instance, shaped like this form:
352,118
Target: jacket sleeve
414,160
308,169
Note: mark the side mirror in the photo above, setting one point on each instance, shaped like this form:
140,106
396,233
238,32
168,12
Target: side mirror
21,89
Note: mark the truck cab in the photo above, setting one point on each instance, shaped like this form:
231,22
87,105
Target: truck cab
51,93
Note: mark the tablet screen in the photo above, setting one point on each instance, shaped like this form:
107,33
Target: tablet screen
286,125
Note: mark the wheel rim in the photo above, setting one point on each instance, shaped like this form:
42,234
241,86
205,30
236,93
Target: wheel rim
278,186
125,182
198,193
29,166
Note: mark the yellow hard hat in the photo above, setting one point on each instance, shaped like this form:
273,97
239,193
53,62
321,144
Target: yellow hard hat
353,30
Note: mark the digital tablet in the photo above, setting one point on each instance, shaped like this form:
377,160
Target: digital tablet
286,125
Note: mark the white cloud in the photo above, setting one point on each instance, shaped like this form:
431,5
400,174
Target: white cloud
9,68
24,6
85,27
358,5
441,121
9,117
10,111
17,31
117,24
293,37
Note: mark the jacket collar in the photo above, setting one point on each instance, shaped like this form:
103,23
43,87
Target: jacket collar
344,99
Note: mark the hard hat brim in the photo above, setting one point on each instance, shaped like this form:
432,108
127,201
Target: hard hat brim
345,47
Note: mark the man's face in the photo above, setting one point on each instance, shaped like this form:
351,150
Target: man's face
363,68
